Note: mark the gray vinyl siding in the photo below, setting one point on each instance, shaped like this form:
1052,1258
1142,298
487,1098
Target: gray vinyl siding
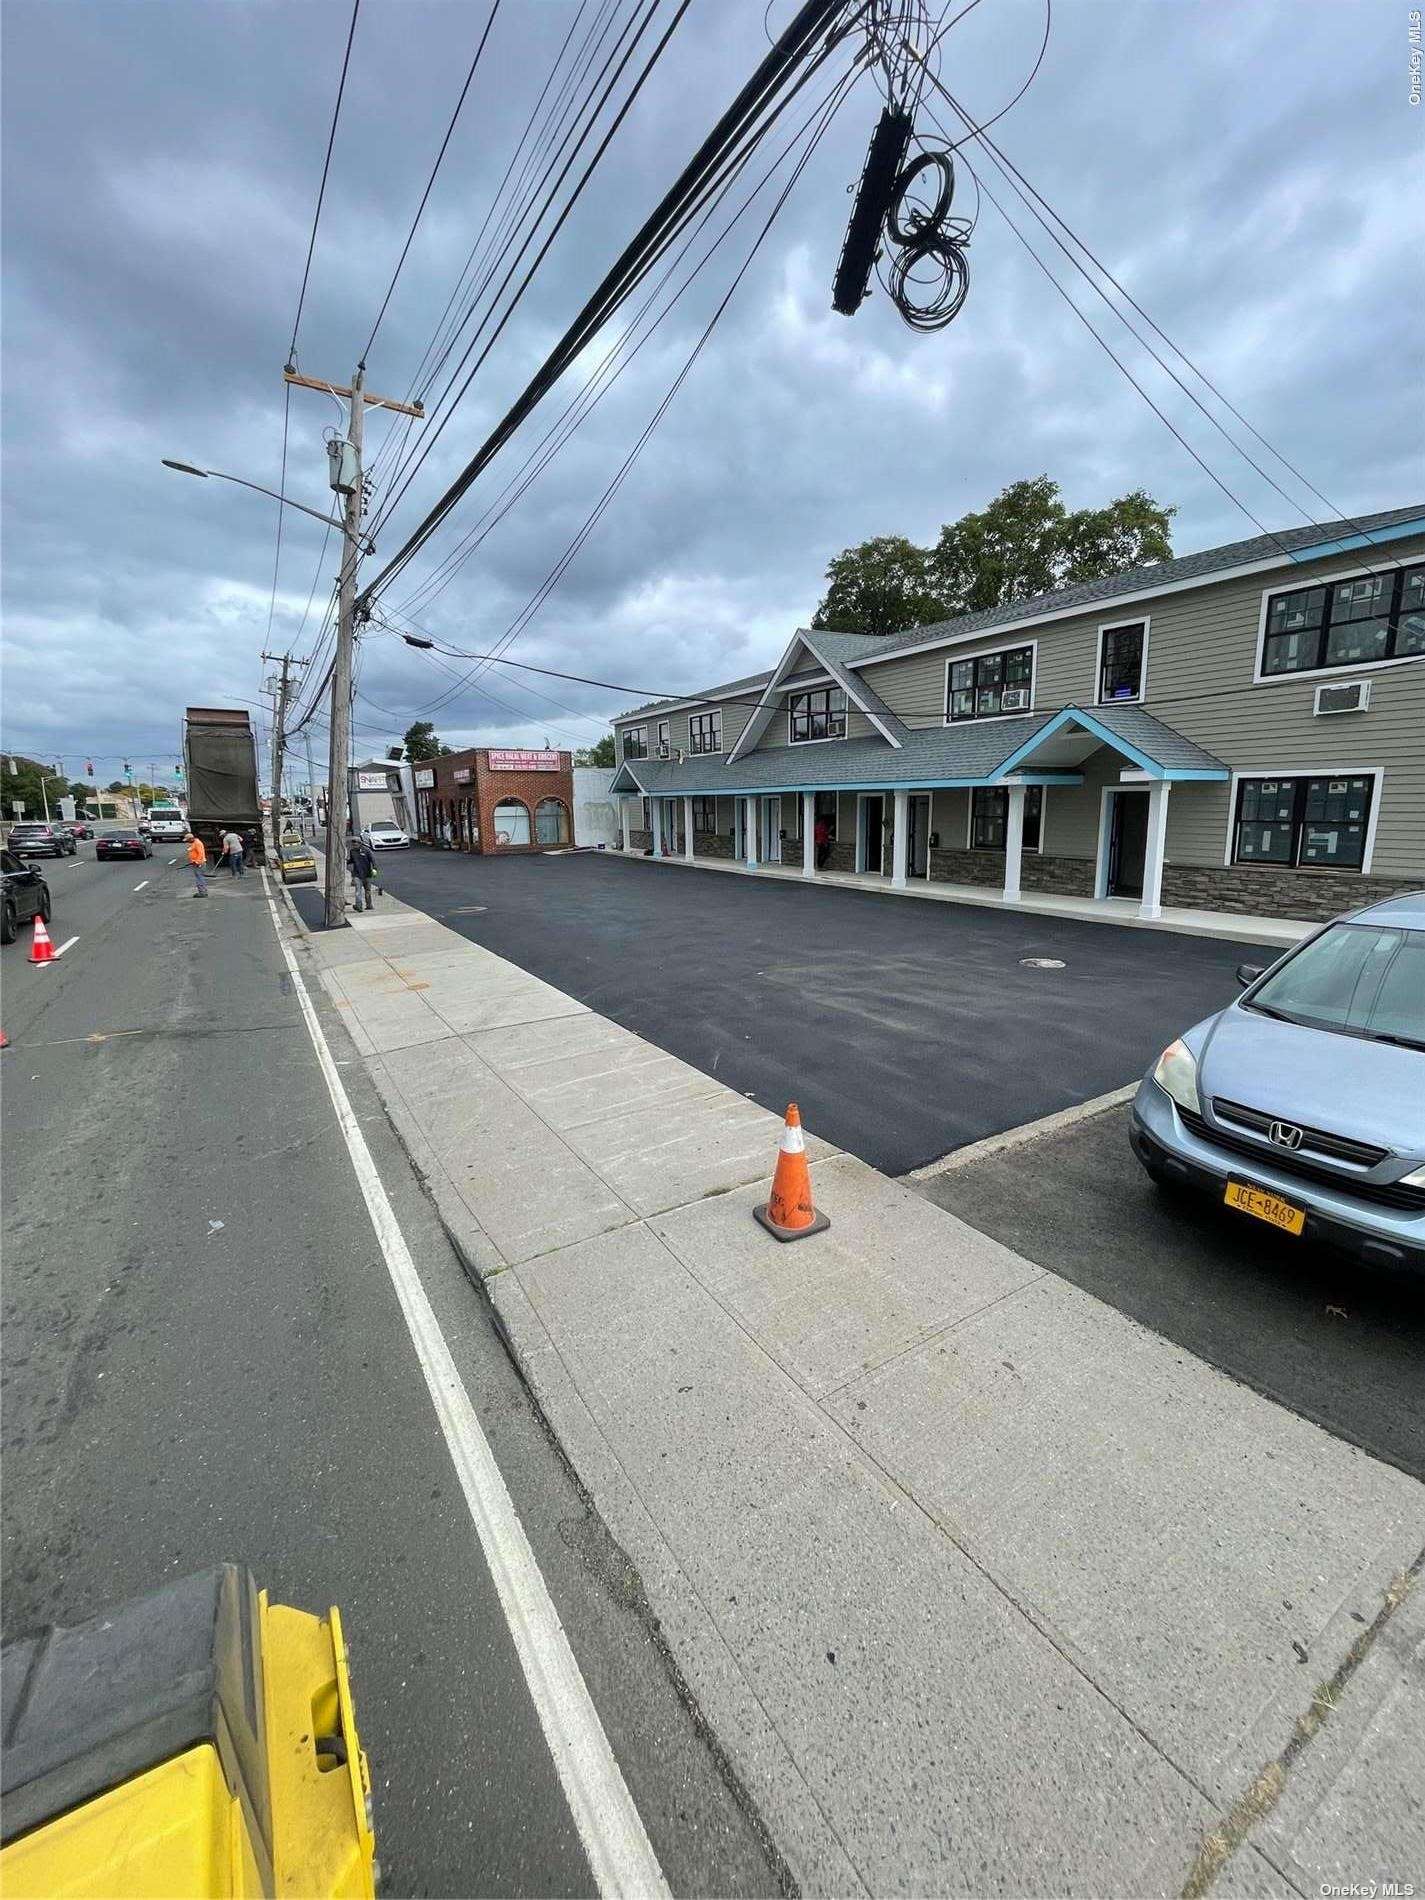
734,719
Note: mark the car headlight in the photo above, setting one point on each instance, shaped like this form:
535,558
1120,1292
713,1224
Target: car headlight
1176,1074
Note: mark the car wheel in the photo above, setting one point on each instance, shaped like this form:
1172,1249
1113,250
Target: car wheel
7,923
44,908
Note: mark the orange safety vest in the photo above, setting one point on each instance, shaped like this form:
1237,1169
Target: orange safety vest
196,853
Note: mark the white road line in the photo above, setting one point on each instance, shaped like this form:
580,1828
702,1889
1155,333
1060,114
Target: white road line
67,945
1027,1131
143,886
173,860
610,1827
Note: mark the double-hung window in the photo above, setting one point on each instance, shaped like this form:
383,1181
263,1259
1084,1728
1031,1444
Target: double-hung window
1121,654
704,814
705,733
990,684
818,714
664,738
989,817
635,742
1346,623
1303,821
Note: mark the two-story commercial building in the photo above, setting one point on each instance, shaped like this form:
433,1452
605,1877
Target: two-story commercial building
1241,729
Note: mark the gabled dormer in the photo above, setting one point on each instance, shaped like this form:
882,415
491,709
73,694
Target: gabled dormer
812,698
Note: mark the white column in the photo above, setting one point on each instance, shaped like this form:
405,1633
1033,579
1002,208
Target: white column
808,834
1013,843
752,808
626,822
688,829
1151,902
655,815
900,842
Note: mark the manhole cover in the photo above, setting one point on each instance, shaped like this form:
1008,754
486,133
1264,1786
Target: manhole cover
1041,963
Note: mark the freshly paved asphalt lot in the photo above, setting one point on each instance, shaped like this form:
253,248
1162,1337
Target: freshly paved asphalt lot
1336,1342
902,1029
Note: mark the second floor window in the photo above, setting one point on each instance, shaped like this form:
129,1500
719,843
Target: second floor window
1120,666
635,742
819,714
663,739
705,734
990,684
1346,623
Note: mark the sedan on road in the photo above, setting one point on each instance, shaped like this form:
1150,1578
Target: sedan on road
383,835
123,844
23,895
1302,1104
37,841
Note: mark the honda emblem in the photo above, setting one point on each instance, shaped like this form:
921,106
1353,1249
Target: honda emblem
1284,1135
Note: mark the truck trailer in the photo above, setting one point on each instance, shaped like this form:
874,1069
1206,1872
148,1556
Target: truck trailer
220,762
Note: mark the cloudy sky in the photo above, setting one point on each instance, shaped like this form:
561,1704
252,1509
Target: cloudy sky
1250,170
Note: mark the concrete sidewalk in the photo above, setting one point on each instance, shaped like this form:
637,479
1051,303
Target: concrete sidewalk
981,1587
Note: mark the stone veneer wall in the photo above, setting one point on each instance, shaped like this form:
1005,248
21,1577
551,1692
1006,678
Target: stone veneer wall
712,844
1260,890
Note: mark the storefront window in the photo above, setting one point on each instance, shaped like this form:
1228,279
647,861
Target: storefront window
511,822
551,821
989,817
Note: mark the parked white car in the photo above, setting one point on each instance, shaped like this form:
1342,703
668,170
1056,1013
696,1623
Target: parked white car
383,835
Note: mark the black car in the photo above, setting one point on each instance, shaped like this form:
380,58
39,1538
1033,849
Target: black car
23,895
123,844
34,841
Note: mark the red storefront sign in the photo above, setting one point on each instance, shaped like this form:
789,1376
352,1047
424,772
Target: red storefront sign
524,761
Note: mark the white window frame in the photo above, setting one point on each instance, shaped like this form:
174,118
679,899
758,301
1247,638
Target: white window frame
970,790
1348,668
705,752
1145,621
1375,772
818,686
985,719
665,737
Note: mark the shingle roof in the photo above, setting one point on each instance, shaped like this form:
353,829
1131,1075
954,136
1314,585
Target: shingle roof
937,755
824,647
1199,566
753,683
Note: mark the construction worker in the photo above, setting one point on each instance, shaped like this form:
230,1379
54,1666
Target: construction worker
362,866
233,852
198,858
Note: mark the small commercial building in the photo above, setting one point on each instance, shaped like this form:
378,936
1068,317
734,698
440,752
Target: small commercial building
1241,729
496,798
379,790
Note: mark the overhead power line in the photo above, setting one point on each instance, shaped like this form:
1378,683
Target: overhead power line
638,256
326,168
430,183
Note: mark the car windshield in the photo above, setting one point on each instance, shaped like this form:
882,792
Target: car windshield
1356,979
383,825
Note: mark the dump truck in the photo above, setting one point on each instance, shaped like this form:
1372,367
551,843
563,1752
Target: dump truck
220,763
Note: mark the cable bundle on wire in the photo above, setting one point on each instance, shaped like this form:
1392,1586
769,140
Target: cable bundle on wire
929,276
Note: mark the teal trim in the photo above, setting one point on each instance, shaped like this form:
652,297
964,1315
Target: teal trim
1077,715
1400,531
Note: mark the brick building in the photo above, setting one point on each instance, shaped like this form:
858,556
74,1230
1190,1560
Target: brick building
496,798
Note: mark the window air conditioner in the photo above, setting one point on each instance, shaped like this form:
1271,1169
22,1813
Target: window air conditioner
1352,696
664,750
1015,699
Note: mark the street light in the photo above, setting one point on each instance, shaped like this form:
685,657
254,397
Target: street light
329,521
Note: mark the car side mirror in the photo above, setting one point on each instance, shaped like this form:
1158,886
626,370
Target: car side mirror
1247,974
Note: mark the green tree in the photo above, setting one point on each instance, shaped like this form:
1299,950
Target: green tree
883,586
600,754
1026,542
421,743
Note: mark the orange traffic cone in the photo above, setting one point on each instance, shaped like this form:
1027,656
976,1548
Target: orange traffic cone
789,1213
4,1040
41,950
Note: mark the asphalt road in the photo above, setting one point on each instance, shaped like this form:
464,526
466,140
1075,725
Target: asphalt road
1336,1342
204,1358
902,1029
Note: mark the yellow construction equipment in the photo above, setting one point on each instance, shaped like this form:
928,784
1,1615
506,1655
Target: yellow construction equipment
198,1741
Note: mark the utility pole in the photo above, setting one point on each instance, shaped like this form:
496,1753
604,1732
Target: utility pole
345,478
279,740
311,785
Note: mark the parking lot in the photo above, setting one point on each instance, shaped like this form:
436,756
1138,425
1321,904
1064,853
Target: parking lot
902,1029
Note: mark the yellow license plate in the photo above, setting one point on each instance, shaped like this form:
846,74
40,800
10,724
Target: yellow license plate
1264,1206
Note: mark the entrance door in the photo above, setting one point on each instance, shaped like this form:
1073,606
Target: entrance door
1127,844
772,830
872,820
918,842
